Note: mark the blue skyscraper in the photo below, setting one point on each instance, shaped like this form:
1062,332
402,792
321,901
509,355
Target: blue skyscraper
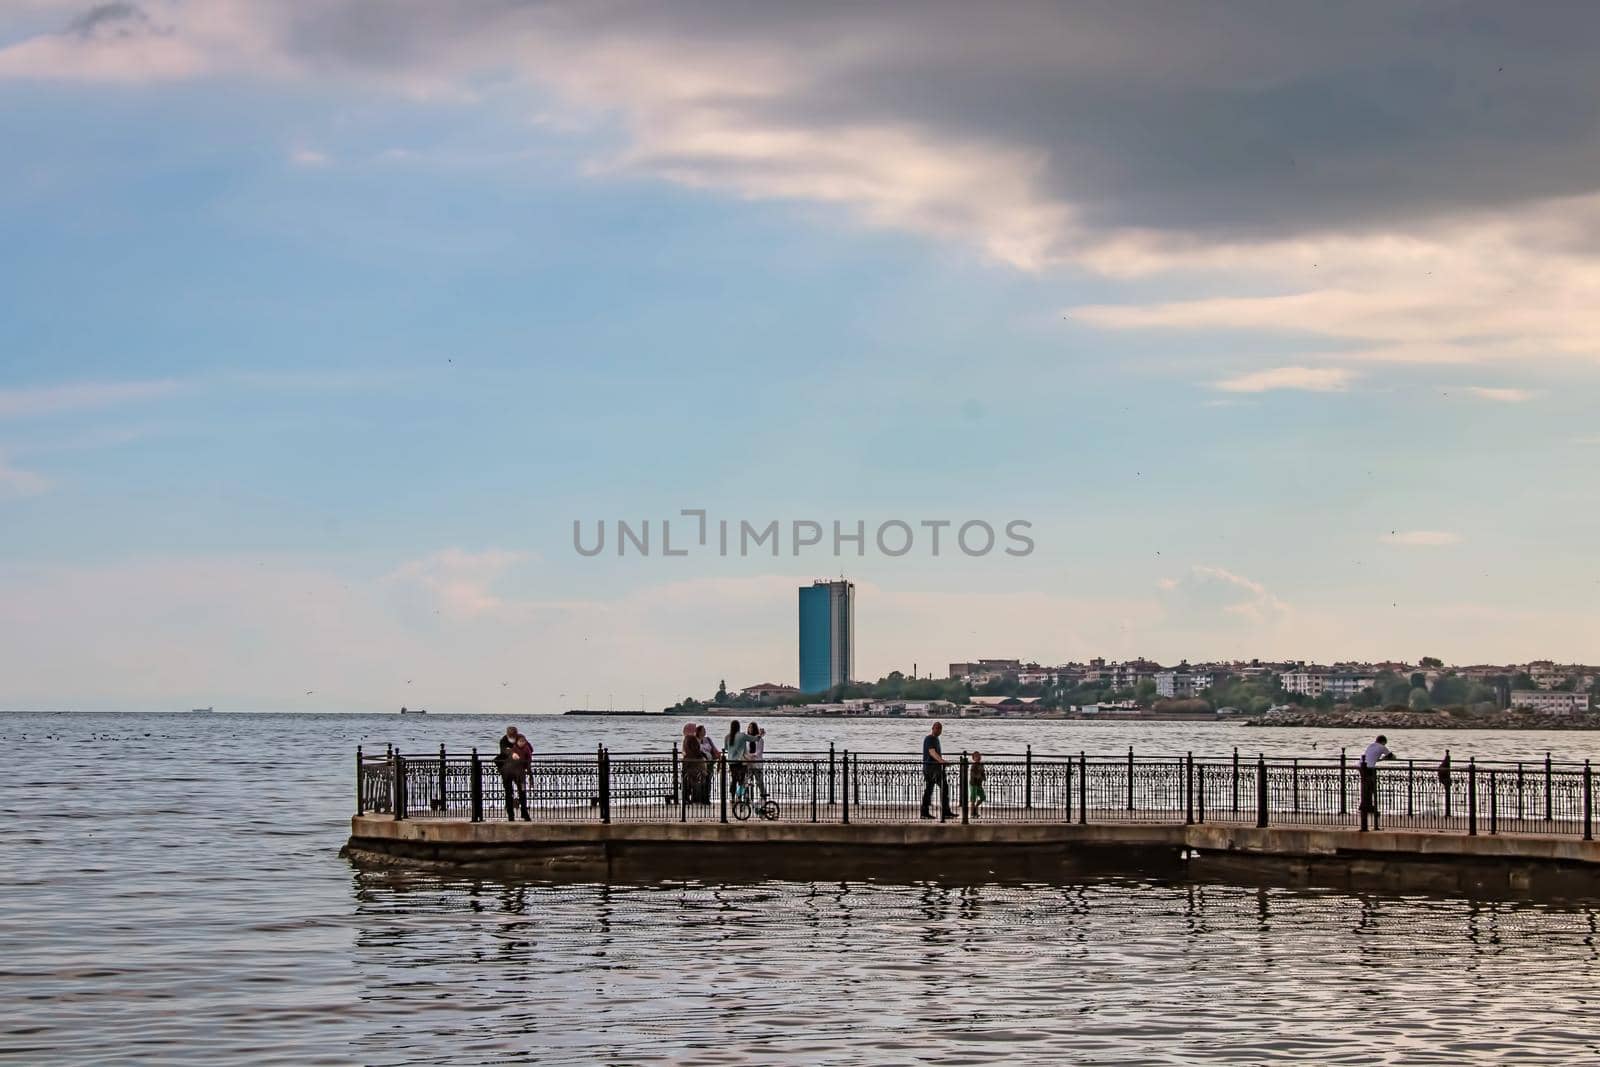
827,634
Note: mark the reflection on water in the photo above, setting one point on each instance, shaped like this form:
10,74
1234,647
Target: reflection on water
1115,971
172,892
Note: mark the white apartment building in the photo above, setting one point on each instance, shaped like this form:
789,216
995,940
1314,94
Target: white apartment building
1307,681
1345,686
1551,703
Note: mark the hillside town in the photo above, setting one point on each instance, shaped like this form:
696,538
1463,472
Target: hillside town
1140,688
1271,692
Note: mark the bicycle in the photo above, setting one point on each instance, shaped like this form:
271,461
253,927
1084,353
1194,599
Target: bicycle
743,806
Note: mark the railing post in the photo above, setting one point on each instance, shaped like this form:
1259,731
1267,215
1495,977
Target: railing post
1261,790
831,800
1446,783
1344,803
477,786
722,776
399,786
1494,804
813,790
361,797
604,759
1235,779
1522,808
1547,787
443,802
1130,777
1472,796
1411,784
844,810
1083,788
1188,789
676,781
1588,803
963,788
1200,790
1069,789
1027,780
1294,791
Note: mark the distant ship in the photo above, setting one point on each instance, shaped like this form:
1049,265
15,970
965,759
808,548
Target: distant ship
413,711
201,711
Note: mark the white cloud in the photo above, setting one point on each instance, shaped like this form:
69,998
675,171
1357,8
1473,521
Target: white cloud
1502,394
1311,379
302,156
1218,594
16,482
1420,538
459,582
81,396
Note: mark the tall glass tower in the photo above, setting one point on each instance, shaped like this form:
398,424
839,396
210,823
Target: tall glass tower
827,634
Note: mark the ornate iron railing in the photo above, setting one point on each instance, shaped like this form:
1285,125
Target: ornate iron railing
1543,797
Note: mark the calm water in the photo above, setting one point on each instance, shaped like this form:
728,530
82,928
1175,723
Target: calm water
170,890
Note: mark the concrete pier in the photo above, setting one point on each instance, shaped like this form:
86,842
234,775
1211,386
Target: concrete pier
1506,864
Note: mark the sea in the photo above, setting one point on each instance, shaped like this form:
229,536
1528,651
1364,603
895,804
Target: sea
171,891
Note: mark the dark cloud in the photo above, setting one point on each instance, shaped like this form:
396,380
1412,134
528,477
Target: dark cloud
1244,119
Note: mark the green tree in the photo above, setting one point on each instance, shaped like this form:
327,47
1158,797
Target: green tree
1430,661
1420,701
1145,691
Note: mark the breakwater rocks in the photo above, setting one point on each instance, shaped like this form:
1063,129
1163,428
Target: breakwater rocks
1406,719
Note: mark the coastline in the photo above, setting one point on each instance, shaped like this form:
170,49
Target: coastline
1397,719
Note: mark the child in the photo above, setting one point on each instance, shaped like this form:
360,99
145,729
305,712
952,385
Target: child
975,777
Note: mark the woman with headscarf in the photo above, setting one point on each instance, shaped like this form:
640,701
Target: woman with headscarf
694,767
684,754
709,753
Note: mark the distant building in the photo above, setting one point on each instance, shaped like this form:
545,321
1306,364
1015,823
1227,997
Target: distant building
984,670
1545,674
1179,684
1307,681
1550,703
827,634
770,691
1345,686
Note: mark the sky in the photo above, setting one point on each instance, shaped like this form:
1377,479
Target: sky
323,324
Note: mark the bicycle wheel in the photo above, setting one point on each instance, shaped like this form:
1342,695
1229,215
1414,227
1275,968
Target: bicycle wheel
769,810
741,810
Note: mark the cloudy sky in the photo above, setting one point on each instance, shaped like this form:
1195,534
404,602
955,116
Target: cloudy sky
323,323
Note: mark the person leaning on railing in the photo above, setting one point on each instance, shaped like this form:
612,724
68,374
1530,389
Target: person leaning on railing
694,769
1375,754
516,756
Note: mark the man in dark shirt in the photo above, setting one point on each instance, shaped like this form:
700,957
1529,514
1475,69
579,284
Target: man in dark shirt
516,754
933,774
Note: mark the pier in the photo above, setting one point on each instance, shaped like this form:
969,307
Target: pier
1452,826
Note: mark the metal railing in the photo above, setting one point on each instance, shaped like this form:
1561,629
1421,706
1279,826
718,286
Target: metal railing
1540,797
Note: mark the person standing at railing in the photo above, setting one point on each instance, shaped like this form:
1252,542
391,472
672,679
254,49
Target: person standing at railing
977,774
1375,754
933,773
694,769
709,753
754,754
516,756
736,750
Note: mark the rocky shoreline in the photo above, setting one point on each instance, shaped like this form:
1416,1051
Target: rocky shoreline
1405,719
